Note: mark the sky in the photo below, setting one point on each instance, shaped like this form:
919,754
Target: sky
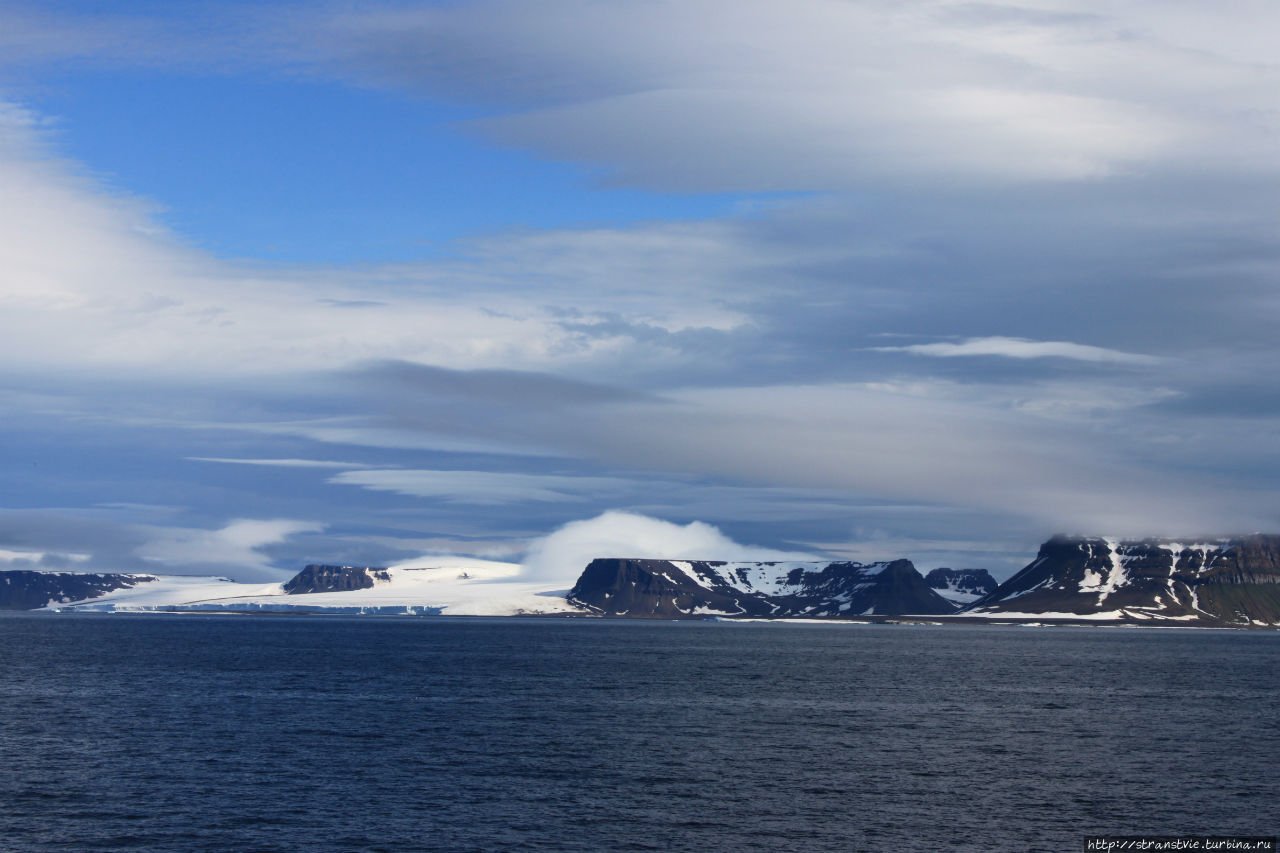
355,282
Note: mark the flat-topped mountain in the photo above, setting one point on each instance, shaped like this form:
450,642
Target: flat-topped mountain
673,589
29,590
1231,581
961,586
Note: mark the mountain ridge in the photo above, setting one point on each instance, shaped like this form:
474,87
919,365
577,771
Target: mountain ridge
26,589
1216,580
677,589
1201,582
961,586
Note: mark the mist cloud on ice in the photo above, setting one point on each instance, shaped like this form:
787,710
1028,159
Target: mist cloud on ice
562,555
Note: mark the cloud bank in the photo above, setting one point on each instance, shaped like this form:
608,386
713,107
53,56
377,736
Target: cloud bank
561,556
822,94
1023,348
1021,277
234,549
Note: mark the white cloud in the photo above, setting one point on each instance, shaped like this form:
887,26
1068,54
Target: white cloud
561,556
757,95
131,297
234,548
1021,348
480,487
430,548
816,94
280,463
42,559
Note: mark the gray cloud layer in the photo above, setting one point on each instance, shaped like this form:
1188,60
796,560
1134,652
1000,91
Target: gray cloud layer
718,94
1032,287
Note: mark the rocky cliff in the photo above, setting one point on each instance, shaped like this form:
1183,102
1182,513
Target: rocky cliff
1229,581
961,586
675,589
28,590
322,578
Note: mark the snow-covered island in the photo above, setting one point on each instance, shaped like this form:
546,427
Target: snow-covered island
1230,582
449,586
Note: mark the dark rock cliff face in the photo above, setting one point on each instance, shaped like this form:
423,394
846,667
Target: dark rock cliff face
1219,581
26,590
1247,560
320,578
674,589
961,586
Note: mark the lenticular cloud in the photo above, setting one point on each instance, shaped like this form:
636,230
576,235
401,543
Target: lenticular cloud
562,555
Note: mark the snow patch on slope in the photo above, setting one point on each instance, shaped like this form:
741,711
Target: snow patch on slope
1117,577
953,593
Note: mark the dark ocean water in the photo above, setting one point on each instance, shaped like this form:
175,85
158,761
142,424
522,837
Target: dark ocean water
326,733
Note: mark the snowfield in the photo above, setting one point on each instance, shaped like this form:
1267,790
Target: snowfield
956,595
451,587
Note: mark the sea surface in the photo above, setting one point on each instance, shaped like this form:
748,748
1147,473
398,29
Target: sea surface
225,733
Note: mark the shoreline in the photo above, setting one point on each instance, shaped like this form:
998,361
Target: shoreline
905,620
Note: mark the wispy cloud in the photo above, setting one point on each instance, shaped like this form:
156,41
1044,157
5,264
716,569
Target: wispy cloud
824,94
133,297
820,95
234,549
18,559
482,487
1022,348
282,463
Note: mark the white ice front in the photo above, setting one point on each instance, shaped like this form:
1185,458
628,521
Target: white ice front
455,587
